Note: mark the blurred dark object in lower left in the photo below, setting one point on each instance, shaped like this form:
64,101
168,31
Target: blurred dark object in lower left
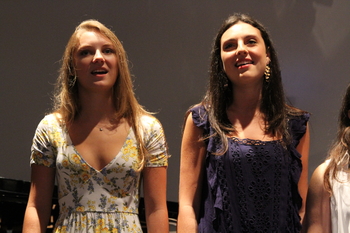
13,202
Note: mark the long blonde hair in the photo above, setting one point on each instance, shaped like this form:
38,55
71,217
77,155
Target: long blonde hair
339,152
66,99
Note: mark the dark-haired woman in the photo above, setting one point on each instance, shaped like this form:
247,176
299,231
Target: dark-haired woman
244,154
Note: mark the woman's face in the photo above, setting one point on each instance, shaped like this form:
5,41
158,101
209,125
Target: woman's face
96,62
243,54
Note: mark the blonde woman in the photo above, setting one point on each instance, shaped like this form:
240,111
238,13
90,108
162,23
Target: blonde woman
96,143
328,199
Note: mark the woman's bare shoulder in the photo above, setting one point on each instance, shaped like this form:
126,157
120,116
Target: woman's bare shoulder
317,178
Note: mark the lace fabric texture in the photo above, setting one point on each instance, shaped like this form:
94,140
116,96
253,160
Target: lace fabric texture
253,186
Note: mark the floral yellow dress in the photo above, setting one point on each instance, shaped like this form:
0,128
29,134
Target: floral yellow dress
93,200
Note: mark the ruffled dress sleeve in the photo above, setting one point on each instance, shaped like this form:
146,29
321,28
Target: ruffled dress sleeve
297,126
212,195
201,120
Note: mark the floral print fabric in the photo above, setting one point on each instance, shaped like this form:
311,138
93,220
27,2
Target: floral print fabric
97,200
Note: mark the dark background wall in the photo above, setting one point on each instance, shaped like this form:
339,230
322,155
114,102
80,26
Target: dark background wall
168,43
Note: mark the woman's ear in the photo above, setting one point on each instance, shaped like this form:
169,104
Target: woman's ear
268,54
267,59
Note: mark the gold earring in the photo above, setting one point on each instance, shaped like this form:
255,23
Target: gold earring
267,73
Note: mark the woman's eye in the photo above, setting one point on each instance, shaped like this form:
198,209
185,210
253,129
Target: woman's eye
229,46
252,41
84,53
108,51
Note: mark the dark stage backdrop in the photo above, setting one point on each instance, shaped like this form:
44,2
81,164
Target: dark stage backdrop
168,43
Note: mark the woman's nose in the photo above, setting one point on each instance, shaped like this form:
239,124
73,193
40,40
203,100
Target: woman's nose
241,49
98,57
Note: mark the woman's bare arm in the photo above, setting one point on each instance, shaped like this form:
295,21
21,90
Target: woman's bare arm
39,207
155,199
318,215
303,149
191,171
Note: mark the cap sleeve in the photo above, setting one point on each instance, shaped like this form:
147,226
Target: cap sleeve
155,142
45,141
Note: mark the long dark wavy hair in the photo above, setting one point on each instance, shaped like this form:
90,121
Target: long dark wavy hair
220,91
339,152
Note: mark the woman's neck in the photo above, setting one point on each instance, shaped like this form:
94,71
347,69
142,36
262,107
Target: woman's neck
246,100
96,107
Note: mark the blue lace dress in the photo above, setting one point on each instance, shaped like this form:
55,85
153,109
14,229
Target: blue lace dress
253,187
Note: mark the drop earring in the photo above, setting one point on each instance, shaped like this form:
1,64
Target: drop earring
267,73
